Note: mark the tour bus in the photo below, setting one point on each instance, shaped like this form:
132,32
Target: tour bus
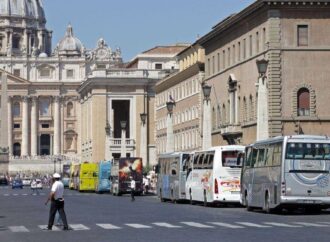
88,176
172,176
214,175
287,172
74,176
121,171
66,174
103,183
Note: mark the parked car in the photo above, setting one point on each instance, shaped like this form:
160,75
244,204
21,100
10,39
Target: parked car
39,184
3,181
17,183
36,184
26,181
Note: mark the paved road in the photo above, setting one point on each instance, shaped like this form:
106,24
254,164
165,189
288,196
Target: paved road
95,217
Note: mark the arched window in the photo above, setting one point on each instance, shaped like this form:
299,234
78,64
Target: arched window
244,110
224,116
69,109
16,109
44,107
214,118
251,108
303,102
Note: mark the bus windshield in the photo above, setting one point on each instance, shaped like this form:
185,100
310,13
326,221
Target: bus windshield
230,159
308,151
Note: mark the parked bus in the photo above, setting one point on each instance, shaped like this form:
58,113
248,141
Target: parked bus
74,176
289,171
66,175
214,175
172,176
103,183
121,171
88,176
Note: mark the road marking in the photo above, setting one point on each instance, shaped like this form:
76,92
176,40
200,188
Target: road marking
15,194
197,225
18,229
253,225
311,224
6,195
139,226
78,227
108,226
231,226
283,225
325,223
167,225
44,227
24,194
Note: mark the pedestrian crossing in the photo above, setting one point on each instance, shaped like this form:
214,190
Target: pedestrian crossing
41,194
166,225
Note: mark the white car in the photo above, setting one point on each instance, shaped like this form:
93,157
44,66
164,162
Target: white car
26,181
36,184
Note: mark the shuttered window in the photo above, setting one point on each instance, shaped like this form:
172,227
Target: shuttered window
302,35
303,102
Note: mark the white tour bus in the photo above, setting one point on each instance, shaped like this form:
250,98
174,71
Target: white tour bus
214,175
172,176
289,172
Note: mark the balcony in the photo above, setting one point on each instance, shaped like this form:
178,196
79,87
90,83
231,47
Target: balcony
231,129
115,144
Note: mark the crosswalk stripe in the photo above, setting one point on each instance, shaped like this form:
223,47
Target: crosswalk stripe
6,195
54,228
78,227
108,226
325,223
253,225
18,229
24,194
231,226
282,225
197,225
167,225
311,224
139,226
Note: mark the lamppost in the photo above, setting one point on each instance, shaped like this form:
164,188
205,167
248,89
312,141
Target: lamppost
107,141
143,135
207,132
169,134
123,138
262,111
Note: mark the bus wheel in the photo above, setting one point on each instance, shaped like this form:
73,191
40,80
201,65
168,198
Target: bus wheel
248,208
266,207
205,199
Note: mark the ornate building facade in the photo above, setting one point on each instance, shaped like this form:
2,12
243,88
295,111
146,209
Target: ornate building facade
61,99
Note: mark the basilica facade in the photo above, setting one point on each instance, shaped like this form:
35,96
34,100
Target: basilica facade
53,93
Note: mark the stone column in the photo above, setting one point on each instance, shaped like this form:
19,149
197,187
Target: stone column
57,126
169,134
262,112
143,143
34,127
123,143
207,125
25,126
10,126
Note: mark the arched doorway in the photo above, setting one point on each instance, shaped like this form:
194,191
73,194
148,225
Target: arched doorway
17,149
45,144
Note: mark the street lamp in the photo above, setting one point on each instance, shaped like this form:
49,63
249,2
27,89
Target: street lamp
207,122
107,129
123,138
170,105
206,91
169,133
262,67
262,103
123,124
143,117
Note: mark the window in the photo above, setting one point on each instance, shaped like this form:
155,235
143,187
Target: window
218,55
45,126
101,66
239,51
158,66
17,72
302,37
303,102
229,159
69,109
17,126
16,42
209,66
251,46
223,59
1,41
257,42
213,64
70,73
45,72
44,107
244,49
229,62
16,109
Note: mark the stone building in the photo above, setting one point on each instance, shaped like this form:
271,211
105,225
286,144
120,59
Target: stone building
184,88
57,108
293,37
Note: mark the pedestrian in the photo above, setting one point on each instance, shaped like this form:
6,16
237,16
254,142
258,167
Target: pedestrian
57,203
146,183
133,187
34,187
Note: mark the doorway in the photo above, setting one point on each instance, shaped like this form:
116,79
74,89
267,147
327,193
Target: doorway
121,109
17,149
45,144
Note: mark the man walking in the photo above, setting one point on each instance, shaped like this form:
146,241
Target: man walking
57,203
133,186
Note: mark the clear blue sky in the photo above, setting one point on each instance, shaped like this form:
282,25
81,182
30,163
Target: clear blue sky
137,25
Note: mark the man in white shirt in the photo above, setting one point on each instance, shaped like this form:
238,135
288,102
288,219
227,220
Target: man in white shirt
133,187
57,202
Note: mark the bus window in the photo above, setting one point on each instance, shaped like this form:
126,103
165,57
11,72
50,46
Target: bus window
211,160
248,157
229,158
254,157
277,154
200,161
269,156
261,157
206,161
196,157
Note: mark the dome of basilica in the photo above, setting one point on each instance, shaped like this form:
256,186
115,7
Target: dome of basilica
32,9
70,45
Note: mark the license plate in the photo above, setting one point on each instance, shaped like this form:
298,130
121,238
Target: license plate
309,201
